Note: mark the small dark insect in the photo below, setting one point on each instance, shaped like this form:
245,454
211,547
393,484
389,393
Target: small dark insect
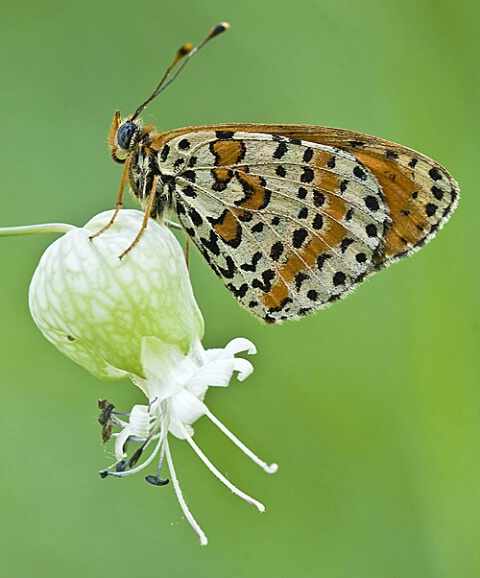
105,419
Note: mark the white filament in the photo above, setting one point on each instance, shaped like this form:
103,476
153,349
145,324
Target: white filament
270,469
217,473
181,500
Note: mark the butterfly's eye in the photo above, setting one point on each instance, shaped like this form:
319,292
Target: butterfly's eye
127,135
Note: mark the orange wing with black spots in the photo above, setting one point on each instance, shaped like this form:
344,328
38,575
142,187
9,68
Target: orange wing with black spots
293,217
290,217
419,192
289,225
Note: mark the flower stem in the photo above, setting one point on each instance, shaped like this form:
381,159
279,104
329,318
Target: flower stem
33,229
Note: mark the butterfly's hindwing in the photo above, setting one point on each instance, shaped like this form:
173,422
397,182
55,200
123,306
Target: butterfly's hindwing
289,225
421,196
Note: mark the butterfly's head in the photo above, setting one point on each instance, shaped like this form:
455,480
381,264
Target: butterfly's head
128,135
124,136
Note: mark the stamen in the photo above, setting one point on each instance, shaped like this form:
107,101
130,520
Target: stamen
160,461
217,473
147,462
270,469
121,466
181,500
136,456
134,440
156,480
151,403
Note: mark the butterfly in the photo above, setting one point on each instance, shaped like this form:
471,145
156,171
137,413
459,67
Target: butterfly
290,217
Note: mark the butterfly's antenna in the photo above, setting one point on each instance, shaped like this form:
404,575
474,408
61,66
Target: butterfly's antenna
186,51
183,51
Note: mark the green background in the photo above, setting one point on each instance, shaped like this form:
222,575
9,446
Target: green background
371,408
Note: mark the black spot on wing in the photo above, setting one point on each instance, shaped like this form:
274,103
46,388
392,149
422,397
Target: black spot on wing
265,283
224,134
184,144
211,243
281,149
230,269
252,266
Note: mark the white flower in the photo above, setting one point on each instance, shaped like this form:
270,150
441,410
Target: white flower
96,308
176,385
136,317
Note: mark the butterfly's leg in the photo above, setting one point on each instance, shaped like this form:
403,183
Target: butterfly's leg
119,203
148,210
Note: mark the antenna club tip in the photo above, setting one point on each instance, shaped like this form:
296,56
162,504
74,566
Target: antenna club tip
185,49
218,29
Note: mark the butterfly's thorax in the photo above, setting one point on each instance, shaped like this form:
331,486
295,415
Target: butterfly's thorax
143,169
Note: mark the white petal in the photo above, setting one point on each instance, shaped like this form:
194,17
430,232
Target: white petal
244,368
140,421
177,429
161,363
120,440
216,353
214,373
235,346
187,408
197,353
240,344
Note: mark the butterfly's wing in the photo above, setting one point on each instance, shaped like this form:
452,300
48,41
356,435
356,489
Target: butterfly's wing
293,217
419,193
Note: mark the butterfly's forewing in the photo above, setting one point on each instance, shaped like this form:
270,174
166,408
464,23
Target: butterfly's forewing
420,194
292,217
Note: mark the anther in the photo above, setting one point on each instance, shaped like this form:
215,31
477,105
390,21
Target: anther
136,456
121,466
157,480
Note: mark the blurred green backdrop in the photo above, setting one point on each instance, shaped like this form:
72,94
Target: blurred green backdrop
371,407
